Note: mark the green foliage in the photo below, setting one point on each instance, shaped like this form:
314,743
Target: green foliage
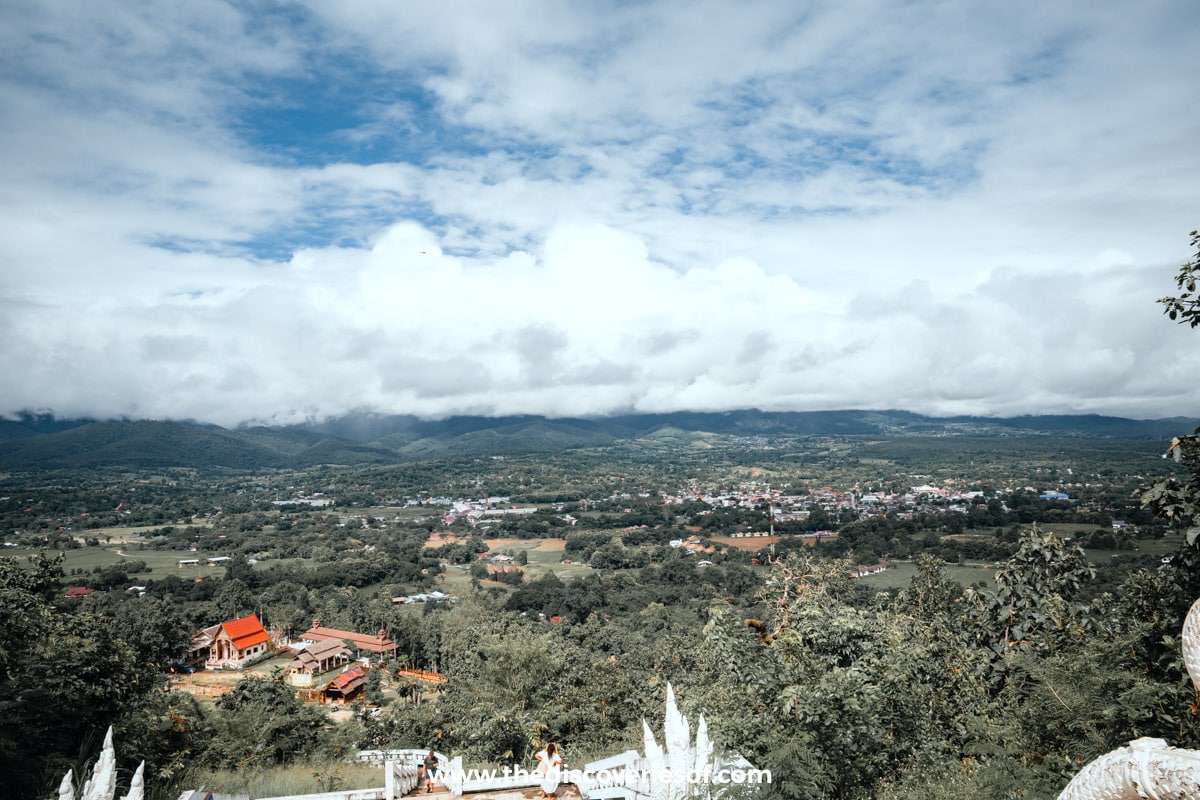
261,722
1175,500
67,674
1000,693
1185,306
1032,603
373,692
153,626
26,615
169,733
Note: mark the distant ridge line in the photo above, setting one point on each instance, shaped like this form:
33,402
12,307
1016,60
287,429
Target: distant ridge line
41,441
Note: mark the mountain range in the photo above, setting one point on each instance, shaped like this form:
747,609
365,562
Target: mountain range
40,442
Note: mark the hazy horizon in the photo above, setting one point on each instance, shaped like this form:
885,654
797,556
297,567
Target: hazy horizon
359,416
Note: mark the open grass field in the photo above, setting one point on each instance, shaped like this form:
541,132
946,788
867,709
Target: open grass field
439,538
545,555
453,581
898,575
121,534
161,562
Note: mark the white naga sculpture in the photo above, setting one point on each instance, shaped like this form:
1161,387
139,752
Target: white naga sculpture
680,756
1148,768
680,769
103,784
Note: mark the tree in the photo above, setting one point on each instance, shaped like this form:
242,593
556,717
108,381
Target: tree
1163,599
1033,600
232,600
65,676
1185,307
154,627
1179,502
834,698
374,689
262,722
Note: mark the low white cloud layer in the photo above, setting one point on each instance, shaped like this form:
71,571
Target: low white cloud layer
248,214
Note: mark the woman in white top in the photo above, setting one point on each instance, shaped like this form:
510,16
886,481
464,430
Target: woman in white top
550,765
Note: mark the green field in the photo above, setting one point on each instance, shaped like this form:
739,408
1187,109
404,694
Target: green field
545,555
161,562
121,534
900,573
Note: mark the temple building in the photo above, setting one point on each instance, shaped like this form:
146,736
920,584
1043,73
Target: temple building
314,658
230,645
346,687
378,644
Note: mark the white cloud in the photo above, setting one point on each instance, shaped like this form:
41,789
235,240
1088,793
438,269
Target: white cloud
594,325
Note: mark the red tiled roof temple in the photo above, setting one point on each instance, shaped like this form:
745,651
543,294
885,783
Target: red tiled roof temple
246,632
375,644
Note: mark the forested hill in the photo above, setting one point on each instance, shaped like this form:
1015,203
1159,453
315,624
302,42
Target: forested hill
43,442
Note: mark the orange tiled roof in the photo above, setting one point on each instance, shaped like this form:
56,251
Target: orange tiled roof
246,632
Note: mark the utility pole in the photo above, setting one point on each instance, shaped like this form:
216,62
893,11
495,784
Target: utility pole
771,519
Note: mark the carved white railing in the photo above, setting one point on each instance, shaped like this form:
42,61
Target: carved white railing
460,782
1147,767
453,776
103,783
399,778
628,775
343,794
410,755
610,777
514,780
400,771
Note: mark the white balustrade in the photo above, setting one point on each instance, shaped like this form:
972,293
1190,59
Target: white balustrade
627,776
399,778
344,794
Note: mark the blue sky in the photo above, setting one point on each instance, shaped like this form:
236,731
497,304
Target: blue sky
274,211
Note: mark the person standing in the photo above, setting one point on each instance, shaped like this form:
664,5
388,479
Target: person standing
550,765
431,768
